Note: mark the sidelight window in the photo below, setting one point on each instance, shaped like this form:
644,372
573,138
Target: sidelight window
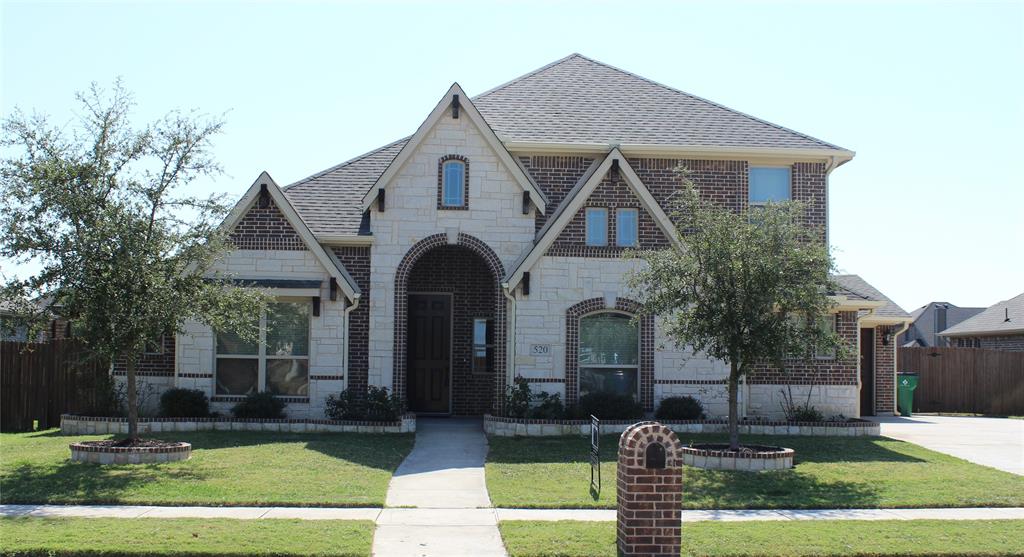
278,362
483,345
609,354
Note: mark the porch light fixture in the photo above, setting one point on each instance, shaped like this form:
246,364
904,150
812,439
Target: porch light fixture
887,337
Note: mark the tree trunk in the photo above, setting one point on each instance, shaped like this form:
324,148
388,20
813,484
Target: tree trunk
133,400
734,421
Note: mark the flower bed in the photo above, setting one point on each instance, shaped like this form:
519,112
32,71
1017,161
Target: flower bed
750,458
511,427
151,451
94,425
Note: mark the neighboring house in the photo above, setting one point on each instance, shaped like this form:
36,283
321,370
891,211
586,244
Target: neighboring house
1000,327
488,245
932,319
14,328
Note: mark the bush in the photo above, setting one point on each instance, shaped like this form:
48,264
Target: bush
805,413
184,403
260,406
547,406
522,402
680,408
517,398
608,406
378,405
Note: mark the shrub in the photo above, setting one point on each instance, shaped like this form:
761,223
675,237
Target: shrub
680,408
805,413
260,406
522,402
378,405
517,398
608,406
184,403
547,406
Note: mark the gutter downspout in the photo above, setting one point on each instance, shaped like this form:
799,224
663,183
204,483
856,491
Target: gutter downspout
510,336
895,361
348,340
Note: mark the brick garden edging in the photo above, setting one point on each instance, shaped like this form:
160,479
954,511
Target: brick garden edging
97,454
96,425
512,427
750,461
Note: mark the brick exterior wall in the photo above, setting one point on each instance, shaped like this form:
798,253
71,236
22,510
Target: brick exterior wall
809,186
356,260
572,346
556,175
836,371
152,365
649,494
265,228
459,268
465,183
612,193
723,182
885,372
1013,343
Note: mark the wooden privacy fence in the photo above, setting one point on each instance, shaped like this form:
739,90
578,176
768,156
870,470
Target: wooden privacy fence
41,381
966,380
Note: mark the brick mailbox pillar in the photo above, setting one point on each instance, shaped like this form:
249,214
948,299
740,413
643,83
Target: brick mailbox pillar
650,491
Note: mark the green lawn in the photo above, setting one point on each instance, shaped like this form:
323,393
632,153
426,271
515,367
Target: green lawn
183,536
831,472
812,537
226,468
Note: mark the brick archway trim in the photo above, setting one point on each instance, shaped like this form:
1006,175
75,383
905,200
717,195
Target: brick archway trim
572,347
481,249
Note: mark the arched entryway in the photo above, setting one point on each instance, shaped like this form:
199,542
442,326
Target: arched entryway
450,327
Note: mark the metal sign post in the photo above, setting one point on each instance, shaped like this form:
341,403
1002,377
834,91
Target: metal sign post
595,456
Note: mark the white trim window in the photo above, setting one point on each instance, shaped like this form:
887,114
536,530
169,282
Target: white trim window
453,181
627,227
829,324
597,226
278,363
609,354
769,184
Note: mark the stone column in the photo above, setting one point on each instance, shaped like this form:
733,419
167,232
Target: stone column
649,487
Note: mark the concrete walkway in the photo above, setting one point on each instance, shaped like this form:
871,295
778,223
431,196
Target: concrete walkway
443,477
995,442
455,518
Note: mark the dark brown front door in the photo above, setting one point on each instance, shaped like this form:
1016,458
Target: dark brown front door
430,326
867,372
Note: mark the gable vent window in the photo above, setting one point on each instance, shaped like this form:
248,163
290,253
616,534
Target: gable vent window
453,186
769,185
627,227
597,226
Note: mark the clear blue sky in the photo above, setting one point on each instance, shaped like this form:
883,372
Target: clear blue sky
929,95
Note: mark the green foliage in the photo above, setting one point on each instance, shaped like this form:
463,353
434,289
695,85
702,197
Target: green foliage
378,405
679,408
184,403
796,412
747,287
608,406
262,405
97,208
522,402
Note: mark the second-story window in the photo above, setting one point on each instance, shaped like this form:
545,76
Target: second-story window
597,226
453,183
769,184
627,227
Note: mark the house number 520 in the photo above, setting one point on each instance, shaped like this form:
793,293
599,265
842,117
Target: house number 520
540,349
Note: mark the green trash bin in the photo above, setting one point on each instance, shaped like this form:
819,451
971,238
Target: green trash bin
906,383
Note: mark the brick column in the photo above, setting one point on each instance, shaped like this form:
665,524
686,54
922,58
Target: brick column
650,491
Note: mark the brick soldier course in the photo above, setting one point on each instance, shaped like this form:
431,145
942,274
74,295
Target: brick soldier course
649,486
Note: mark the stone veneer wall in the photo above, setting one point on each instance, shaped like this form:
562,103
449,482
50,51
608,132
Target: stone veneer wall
95,425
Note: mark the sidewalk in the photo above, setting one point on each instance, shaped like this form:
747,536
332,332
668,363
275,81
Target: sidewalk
487,517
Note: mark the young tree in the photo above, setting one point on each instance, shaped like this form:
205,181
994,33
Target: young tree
98,211
747,287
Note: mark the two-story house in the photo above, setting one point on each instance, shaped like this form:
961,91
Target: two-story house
488,245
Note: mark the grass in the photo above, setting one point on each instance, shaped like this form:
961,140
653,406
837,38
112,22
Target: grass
812,537
831,472
183,536
226,468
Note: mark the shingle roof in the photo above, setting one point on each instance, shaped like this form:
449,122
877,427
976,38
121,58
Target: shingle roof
579,100
1006,317
329,201
854,286
572,100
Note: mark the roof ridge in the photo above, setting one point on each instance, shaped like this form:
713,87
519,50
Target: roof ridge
346,163
695,97
529,74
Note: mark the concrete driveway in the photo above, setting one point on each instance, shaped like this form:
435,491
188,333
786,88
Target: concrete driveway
995,442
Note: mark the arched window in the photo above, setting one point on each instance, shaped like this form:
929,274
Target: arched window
609,354
453,183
